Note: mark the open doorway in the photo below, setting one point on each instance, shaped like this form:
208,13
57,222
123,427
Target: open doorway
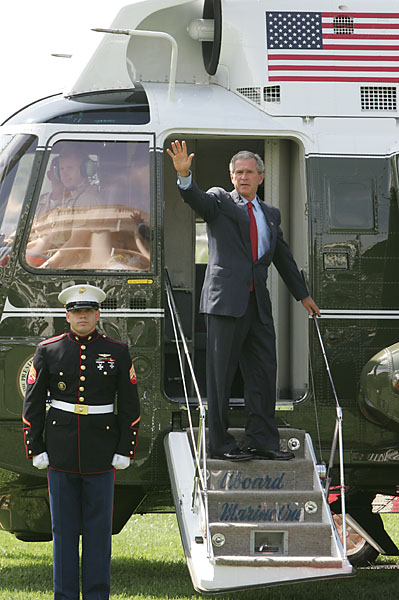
185,252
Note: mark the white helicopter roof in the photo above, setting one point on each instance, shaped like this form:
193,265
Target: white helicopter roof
321,59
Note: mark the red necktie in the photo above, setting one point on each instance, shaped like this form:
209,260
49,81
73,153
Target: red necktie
253,230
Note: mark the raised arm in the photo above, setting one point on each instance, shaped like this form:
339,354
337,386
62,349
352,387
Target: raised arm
181,159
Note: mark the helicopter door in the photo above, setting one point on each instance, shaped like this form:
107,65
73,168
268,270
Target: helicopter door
186,258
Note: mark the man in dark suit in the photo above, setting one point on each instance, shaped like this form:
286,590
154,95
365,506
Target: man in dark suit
244,238
79,374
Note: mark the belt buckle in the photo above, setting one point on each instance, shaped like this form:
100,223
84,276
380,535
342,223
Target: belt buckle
81,409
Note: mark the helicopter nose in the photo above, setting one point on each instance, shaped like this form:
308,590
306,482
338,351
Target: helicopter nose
379,388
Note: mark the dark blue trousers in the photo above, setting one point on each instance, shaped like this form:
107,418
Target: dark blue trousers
81,505
247,342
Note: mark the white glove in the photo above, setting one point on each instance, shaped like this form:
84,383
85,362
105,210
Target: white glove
120,462
40,461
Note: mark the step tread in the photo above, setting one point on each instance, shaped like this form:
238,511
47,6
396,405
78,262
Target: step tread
281,561
256,461
285,435
273,524
266,494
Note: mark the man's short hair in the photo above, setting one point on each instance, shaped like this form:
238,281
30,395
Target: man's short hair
245,154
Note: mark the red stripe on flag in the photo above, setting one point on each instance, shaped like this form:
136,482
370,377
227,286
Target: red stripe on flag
331,57
356,15
357,25
347,79
331,68
360,36
372,47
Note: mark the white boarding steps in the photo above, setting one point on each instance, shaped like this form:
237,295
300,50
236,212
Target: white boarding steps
254,523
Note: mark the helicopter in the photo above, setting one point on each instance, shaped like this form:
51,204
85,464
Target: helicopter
311,89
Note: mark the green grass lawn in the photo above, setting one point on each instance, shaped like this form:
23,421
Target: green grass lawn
148,564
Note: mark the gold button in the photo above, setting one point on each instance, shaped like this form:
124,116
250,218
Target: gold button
134,433
54,422
83,347
29,451
105,373
89,338
104,335
83,356
81,399
61,373
107,427
82,378
27,441
81,389
132,443
131,452
83,367
76,337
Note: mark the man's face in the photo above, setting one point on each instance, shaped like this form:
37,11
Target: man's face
246,178
70,174
83,320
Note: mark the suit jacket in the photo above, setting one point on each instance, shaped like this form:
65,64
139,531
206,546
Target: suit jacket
231,270
91,370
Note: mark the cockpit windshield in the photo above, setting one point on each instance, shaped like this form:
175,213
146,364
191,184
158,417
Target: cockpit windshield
16,158
93,210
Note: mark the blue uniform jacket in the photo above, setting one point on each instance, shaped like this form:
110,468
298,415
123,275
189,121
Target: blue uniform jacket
83,371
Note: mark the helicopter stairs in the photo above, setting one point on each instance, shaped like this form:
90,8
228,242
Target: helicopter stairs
256,523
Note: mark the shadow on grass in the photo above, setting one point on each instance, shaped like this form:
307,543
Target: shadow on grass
142,578
31,573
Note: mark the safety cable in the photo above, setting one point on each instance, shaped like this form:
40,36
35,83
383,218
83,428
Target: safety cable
315,406
199,449
337,437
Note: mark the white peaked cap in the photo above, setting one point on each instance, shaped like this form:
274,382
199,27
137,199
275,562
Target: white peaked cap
81,296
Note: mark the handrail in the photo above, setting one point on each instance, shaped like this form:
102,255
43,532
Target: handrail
337,434
158,34
199,448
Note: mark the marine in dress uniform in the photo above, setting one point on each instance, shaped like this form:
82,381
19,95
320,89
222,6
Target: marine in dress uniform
90,429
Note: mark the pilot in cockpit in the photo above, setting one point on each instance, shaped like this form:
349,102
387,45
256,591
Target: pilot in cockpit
61,215
93,212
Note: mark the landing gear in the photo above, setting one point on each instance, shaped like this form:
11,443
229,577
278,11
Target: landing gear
359,507
360,553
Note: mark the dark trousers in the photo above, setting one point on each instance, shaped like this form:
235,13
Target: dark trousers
251,344
81,504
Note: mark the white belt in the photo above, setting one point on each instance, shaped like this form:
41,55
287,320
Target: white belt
83,409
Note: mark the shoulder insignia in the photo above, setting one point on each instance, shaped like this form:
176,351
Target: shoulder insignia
132,374
32,374
53,339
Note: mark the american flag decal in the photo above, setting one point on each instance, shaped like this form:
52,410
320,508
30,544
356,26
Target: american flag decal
314,46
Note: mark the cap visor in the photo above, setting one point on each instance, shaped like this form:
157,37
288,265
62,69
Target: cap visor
82,304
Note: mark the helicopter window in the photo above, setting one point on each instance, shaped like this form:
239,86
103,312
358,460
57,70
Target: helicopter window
16,158
351,203
93,210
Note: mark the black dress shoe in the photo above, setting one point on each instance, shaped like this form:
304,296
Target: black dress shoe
235,454
270,454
